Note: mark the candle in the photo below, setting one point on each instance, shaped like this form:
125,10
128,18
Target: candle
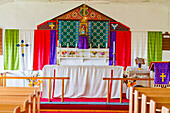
67,45
98,45
106,45
90,46
113,46
76,45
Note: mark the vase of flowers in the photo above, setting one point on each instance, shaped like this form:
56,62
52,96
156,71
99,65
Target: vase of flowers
64,52
129,83
102,53
33,82
72,53
94,53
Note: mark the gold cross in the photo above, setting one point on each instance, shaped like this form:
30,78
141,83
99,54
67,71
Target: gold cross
84,10
162,77
52,25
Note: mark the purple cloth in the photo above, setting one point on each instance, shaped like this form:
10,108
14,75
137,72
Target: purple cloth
112,38
162,69
83,42
53,47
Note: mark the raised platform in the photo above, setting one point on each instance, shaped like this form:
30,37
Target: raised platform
85,105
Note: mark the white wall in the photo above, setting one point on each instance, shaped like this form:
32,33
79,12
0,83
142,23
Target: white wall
143,17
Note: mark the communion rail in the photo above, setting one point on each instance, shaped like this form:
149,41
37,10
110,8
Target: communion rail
121,85
3,78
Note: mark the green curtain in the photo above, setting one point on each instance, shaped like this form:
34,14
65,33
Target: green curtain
154,46
11,51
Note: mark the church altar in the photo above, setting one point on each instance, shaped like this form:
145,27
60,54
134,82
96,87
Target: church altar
85,81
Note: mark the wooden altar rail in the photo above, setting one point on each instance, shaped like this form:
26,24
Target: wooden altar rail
49,78
121,85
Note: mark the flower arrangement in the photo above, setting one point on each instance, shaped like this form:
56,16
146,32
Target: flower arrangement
72,53
63,52
33,82
94,52
102,53
129,83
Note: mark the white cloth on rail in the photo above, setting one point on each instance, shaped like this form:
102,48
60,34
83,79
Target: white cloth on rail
85,81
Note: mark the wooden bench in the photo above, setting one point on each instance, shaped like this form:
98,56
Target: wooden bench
146,101
21,94
35,90
162,106
15,110
141,89
9,106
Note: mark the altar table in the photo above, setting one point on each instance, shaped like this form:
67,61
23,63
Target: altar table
85,81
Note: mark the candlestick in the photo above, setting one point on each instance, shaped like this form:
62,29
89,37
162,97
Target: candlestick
67,45
90,46
58,55
113,59
113,46
76,45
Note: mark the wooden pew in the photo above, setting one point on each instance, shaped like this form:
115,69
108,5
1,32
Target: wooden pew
158,105
142,89
138,97
21,94
36,89
10,106
16,110
146,101
164,110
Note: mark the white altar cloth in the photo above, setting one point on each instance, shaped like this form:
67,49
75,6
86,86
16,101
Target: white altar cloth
85,81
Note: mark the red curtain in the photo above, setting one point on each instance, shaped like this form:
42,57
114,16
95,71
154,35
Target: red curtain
123,48
41,49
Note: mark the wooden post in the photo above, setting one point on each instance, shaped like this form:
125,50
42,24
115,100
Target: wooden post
62,92
1,79
121,87
149,80
4,80
108,97
49,98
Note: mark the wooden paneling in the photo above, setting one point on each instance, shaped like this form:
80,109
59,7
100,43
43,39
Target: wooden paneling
166,41
0,41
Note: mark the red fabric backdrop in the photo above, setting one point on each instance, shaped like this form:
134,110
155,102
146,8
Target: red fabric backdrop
123,48
41,49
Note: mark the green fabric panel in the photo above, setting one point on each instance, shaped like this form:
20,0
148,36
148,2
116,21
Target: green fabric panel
68,30
154,46
98,33
11,51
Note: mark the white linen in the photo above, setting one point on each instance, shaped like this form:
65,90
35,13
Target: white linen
85,81
26,35
139,46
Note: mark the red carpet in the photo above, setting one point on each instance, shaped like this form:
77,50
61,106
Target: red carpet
70,104
83,100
